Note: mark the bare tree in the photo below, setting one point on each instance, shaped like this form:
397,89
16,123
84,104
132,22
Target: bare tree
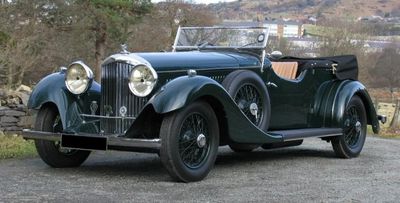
280,44
161,25
387,69
38,36
339,38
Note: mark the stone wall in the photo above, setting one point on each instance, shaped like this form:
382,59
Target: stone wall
14,114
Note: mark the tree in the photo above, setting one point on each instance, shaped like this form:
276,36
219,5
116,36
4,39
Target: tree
22,41
387,69
338,37
162,23
105,20
280,44
39,36
100,22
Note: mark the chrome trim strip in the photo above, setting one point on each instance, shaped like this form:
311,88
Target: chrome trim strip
138,143
209,69
176,39
39,135
112,140
221,47
131,58
262,60
108,117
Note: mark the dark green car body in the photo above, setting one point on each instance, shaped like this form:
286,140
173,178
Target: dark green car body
316,99
217,87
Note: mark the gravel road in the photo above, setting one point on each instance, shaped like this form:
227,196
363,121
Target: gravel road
307,173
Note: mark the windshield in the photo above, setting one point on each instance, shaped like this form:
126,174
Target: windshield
221,37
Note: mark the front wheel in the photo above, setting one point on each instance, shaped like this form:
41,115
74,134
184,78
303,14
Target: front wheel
48,120
352,141
189,142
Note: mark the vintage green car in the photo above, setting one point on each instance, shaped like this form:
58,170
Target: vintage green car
217,87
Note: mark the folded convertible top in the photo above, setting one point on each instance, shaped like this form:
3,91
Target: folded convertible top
347,66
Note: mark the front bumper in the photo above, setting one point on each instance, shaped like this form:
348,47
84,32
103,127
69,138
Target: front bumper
95,142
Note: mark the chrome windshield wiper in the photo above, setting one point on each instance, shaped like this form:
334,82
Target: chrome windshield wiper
251,43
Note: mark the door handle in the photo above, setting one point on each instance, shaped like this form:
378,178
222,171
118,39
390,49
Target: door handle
271,84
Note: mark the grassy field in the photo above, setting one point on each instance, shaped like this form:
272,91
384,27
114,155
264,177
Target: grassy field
13,146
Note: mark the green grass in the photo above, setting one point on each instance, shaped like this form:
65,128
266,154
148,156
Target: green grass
384,133
13,146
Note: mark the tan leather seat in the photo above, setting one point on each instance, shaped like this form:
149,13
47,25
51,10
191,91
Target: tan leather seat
286,70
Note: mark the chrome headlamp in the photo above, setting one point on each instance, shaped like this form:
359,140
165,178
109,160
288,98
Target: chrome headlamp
78,77
142,80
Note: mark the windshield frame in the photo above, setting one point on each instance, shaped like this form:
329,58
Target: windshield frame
186,48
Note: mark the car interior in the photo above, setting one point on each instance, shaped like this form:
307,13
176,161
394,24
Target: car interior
286,70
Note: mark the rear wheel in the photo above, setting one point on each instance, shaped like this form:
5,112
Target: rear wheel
48,120
352,141
189,142
251,95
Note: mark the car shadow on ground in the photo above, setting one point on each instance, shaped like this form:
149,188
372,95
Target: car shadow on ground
262,155
148,167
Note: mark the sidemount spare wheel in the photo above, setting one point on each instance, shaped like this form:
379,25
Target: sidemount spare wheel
189,142
251,95
48,120
350,144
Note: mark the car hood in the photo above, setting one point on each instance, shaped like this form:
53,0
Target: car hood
168,61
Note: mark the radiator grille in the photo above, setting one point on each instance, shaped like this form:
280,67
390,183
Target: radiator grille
115,94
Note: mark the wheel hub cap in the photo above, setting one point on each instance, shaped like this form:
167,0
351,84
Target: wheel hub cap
253,109
358,126
201,141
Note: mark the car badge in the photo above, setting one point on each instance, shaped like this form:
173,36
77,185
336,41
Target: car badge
93,107
123,111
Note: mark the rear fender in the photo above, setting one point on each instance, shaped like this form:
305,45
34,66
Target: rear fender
52,90
338,95
184,90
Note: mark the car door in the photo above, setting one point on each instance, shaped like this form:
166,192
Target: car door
292,99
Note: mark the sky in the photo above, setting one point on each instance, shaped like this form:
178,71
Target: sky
200,1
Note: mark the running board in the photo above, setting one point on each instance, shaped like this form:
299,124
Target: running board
298,134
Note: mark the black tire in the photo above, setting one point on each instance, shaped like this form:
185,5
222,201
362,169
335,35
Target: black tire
234,84
183,155
48,120
350,144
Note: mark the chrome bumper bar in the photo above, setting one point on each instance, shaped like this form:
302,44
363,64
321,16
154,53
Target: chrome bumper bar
112,142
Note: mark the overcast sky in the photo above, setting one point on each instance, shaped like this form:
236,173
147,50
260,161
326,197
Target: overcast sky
200,1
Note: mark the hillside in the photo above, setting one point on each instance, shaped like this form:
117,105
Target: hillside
300,9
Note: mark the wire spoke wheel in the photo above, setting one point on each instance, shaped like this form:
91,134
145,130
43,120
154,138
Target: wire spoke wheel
189,142
352,128
352,141
193,140
250,102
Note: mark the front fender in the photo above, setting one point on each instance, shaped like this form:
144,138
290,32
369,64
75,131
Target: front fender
340,94
52,90
184,90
